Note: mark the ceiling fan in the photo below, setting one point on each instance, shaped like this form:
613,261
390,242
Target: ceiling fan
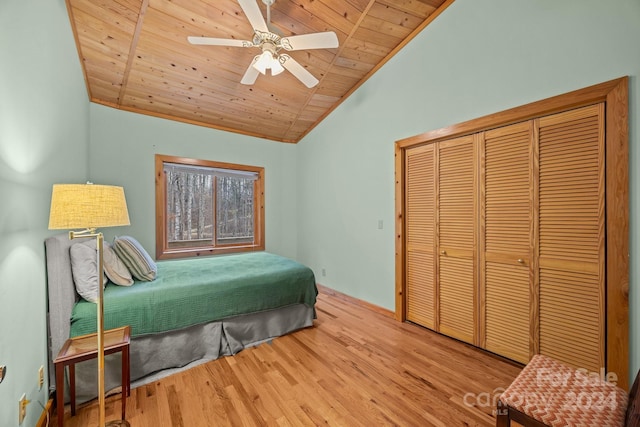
270,41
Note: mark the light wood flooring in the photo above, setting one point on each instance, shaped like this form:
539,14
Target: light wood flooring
355,367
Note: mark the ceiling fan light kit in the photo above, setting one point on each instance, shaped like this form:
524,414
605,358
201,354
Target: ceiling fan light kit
268,59
266,39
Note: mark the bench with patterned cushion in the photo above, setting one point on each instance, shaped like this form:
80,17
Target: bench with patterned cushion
550,393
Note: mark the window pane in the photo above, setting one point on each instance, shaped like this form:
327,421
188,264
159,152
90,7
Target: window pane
189,207
234,204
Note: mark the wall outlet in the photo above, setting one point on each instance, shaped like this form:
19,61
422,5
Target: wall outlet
324,272
22,408
40,377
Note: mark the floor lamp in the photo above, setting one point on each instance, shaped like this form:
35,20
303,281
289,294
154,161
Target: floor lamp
88,207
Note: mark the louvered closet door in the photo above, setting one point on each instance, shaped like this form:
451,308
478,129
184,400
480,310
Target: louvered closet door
572,287
420,231
505,240
456,188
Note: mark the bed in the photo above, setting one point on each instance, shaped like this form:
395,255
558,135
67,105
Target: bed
196,310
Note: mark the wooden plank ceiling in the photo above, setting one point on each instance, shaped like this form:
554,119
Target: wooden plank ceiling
136,57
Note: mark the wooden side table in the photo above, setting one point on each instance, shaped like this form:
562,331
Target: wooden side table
85,347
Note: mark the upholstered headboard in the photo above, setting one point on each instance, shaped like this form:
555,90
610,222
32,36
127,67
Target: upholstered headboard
61,294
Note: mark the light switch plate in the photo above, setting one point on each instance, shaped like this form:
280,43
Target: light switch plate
3,371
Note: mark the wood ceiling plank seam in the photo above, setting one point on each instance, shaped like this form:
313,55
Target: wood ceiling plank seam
186,116
346,9
292,25
340,48
416,8
221,104
397,16
204,114
132,49
163,21
358,4
208,17
107,39
366,46
234,108
383,26
219,95
445,4
107,16
149,56
358,61
104,70
192,122
377,36
306,12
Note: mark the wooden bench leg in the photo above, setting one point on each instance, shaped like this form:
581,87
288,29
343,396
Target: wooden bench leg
72,387
60,393
126,386
502,415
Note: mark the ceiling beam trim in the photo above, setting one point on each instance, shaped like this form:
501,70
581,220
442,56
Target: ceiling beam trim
132,49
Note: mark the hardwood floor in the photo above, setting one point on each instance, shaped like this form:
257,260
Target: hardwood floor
355,367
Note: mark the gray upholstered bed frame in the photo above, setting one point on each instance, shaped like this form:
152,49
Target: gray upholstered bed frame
155,355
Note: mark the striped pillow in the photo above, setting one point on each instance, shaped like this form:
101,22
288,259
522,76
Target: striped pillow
137,260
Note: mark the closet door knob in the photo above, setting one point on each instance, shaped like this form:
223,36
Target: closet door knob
443,252
520,260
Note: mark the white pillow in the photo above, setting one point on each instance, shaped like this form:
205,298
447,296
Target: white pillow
84,267
114,268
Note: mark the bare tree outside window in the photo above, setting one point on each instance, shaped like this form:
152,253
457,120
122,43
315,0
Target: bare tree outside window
234,210
189,205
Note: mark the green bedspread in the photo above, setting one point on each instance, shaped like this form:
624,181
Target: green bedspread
199,290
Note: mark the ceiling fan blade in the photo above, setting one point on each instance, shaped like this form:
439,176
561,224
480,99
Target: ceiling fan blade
219,42
254,15
298,71
251,74
325,40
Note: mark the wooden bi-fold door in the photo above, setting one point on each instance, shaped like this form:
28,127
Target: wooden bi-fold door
440,204
506,239
572,237
456,210
421,235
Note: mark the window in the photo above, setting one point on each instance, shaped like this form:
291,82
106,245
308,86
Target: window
205,207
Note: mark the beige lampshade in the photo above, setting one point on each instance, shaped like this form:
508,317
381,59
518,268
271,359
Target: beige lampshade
80,206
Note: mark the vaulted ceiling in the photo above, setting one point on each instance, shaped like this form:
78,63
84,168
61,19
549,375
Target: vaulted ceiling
136,57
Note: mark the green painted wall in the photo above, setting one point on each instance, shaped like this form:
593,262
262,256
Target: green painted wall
44,130
477,58
122,150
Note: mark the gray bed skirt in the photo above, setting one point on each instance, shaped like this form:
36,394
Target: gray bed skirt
158,355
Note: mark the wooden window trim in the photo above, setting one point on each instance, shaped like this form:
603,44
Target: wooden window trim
162,249
614,94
